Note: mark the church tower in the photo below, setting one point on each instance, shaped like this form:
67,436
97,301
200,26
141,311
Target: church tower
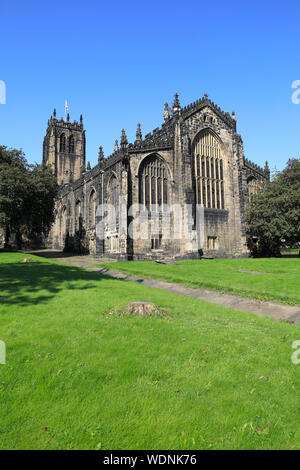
64,148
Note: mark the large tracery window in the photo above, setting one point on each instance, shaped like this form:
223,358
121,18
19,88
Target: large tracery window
209,171
62,145
153,183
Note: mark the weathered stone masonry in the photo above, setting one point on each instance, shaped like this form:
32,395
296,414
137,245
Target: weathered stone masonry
195,157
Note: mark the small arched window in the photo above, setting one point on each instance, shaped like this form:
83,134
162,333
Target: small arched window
77,214
63,224
113,193
153,183
69,218
71,144
92,208
253,186
62,146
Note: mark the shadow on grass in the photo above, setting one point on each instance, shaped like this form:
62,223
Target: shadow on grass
53,254
37,282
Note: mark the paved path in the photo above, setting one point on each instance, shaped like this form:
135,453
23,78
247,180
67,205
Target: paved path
81,261
263,309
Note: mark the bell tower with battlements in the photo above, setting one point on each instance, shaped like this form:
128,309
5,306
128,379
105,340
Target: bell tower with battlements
64,148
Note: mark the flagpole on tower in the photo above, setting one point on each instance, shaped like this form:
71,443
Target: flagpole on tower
66,109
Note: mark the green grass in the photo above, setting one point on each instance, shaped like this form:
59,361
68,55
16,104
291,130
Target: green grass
204,377
279,281
291,251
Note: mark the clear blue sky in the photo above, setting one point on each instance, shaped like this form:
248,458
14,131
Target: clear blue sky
117,63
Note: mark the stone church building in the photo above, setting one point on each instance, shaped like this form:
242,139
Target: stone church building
195,157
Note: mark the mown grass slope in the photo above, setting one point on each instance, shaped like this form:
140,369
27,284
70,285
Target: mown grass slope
275,279
79,377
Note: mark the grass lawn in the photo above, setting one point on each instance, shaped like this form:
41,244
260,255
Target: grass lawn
279,279
204,377
290,251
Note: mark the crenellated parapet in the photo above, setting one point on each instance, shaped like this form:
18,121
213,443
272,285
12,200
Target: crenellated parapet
253,167
159,138
61,123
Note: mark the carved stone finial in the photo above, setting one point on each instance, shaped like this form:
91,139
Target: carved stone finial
166,112
80,118
54,113
233,116
88,167
116,146
68,117
138,133
267,170
205,96
100,154
124,140
176,104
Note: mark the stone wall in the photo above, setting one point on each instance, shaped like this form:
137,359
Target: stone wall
174,145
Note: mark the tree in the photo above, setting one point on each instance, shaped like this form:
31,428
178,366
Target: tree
274,213
27,195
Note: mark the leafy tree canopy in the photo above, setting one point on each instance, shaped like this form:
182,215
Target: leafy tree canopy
27,194
273,214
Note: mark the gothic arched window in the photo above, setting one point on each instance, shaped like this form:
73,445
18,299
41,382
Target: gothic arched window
113,202
62,146
92,208
69,218
153,183
253,186
71,144
77,215
208,171
63,224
